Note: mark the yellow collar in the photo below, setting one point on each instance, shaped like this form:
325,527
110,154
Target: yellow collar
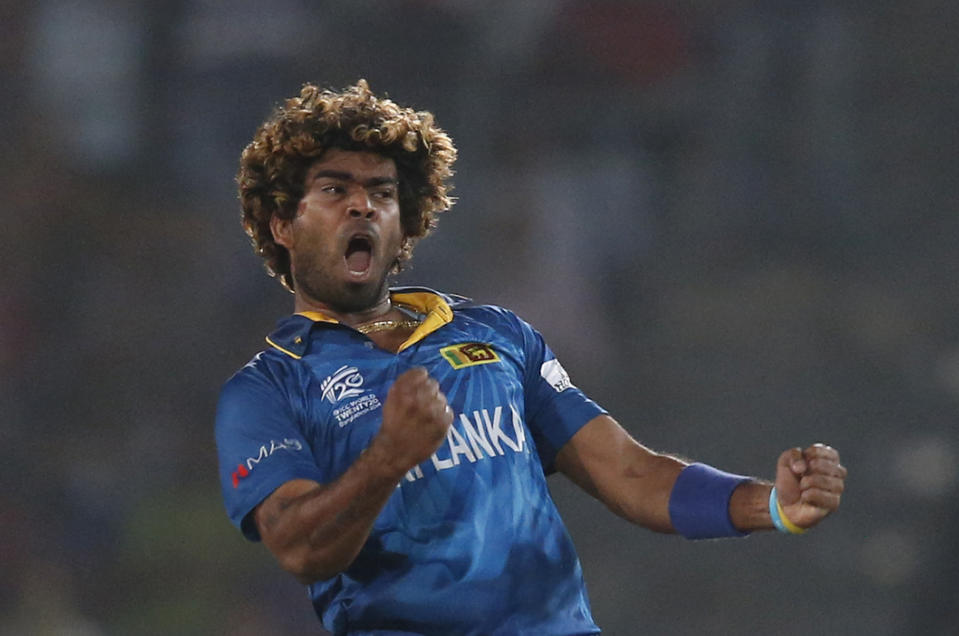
436,309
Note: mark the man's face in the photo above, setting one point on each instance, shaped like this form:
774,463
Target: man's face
346,235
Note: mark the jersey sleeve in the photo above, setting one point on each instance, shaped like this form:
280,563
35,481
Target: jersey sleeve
260,442
555,408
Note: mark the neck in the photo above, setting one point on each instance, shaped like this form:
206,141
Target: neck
380,309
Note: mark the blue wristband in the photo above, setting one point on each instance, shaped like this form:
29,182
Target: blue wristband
699,502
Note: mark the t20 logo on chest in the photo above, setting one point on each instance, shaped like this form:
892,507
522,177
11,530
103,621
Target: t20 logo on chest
344,383
344,390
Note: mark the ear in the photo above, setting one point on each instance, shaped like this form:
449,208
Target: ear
282,230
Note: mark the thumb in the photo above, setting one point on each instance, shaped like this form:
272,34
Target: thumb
789,471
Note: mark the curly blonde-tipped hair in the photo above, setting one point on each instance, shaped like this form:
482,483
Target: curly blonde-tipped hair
274,165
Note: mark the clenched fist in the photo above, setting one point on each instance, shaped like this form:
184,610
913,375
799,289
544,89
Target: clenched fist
416,418
809,483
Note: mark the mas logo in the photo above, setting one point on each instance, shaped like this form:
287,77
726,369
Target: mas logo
345,382
468,354
243,469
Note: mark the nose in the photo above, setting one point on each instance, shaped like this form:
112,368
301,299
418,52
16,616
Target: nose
360,205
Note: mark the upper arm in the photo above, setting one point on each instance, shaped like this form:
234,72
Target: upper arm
632,480
555,409
260,444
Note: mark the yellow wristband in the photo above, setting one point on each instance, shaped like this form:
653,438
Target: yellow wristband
790,526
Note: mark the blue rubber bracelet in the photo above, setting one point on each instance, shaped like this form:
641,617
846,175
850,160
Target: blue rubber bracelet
699,502
780,520
774,512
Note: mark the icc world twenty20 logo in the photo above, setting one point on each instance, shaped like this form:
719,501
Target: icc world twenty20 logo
345,382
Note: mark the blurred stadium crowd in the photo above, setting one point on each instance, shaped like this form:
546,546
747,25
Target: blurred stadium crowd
735,222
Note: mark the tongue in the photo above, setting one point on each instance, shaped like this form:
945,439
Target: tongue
358,260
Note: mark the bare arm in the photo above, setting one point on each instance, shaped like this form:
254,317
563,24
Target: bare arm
316,530
632,480
636,482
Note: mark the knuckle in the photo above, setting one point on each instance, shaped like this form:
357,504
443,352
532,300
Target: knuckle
811,482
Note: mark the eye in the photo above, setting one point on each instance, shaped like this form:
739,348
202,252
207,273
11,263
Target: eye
333,188
385,193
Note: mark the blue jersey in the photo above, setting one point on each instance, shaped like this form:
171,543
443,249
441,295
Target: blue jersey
471,541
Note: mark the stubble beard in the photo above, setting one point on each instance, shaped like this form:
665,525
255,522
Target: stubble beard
316,283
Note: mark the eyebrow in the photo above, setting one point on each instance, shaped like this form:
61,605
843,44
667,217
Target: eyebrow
347,176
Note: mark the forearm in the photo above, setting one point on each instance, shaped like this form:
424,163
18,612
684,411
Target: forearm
318,533
643,498
749,506
666,494
341,520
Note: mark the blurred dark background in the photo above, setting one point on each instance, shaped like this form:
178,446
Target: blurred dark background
735,222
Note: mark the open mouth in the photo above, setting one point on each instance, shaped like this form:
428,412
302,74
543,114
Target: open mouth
359,254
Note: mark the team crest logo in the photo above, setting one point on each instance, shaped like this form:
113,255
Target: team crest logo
469,354
345,382
554,373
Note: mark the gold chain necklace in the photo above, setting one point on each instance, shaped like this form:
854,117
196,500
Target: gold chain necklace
386,325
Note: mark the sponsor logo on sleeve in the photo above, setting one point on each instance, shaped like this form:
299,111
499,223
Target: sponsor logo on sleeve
468,354
554,373
244,468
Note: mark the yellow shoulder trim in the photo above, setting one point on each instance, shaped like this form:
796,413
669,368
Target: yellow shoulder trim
287,352
316,316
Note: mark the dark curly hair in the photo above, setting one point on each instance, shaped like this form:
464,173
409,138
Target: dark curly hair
274,165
